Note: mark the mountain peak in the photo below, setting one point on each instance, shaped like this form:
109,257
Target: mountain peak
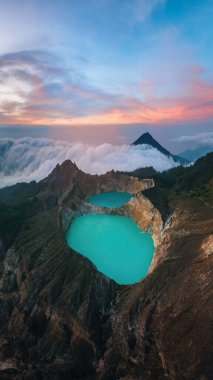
146,134
147,139
143,137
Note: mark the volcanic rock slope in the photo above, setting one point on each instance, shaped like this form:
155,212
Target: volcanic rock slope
62,319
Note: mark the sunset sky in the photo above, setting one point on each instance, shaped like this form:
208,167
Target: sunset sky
106,62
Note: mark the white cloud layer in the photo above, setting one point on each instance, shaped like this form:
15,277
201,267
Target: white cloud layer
199,138
27,159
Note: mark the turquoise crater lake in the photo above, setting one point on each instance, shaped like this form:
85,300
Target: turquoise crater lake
114,244
110,199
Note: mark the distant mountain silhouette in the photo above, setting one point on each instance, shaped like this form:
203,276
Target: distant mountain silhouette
193,155
147,139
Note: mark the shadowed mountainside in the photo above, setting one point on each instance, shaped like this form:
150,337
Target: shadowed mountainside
62,319
181,182
147,139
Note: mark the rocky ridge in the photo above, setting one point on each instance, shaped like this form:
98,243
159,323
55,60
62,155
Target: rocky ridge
62,319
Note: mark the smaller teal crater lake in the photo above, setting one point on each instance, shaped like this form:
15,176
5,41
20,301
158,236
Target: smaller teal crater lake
110,199
114,244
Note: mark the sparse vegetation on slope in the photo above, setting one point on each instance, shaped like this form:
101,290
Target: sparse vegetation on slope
194,181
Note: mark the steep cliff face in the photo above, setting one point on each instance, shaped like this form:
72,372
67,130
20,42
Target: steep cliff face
75,202
62,319
139,208
53,305
162,325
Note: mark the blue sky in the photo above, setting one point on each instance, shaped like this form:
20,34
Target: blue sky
106,62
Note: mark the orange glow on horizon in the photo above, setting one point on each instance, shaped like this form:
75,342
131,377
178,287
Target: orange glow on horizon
38,108
117,116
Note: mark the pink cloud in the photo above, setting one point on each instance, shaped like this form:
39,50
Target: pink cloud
48,96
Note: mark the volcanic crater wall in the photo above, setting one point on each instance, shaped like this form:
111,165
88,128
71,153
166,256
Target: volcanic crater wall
62,319
139,208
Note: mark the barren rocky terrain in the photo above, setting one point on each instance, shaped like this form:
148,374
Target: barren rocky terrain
62,319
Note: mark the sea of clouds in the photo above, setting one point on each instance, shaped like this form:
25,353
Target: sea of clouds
27,159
